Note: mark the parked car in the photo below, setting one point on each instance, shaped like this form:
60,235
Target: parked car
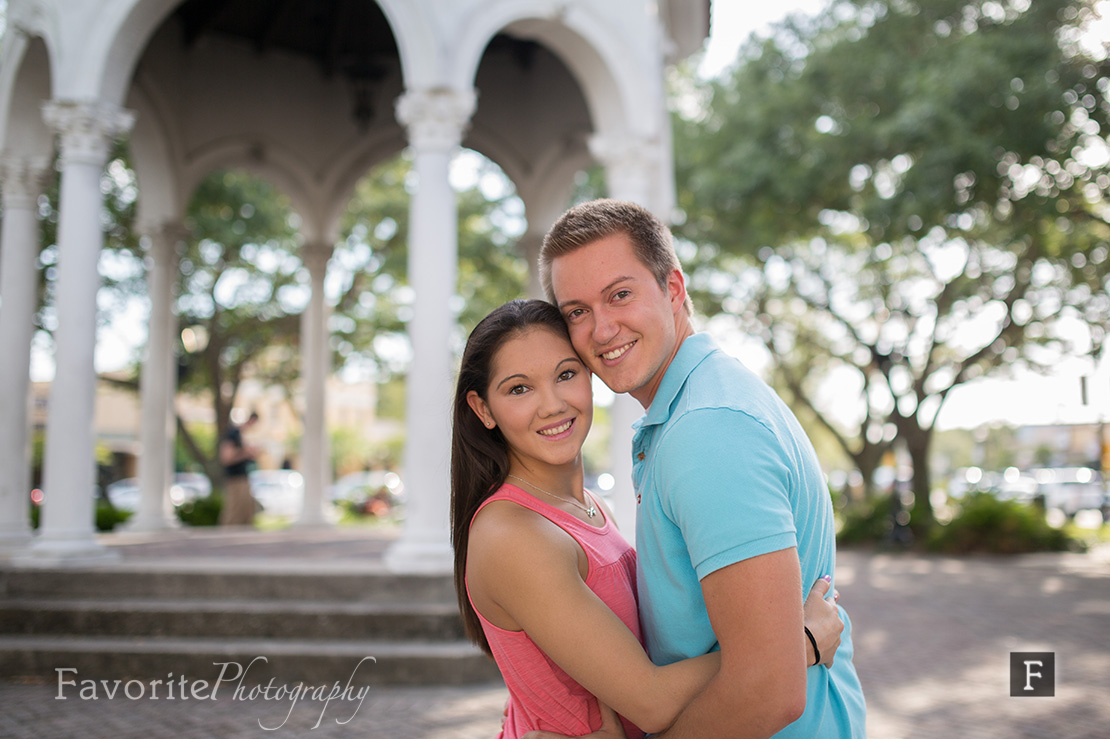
377,492
1016,485
189,486
972,479
279,492
125,494
1070,489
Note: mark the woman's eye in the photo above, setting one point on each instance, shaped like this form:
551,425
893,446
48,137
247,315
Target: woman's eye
567,374
517,390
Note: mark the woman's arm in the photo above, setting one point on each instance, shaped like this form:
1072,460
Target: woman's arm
822,618
527,573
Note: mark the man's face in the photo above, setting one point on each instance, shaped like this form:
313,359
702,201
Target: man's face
622,323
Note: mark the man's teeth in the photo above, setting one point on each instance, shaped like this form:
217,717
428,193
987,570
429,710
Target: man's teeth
557,430
616,352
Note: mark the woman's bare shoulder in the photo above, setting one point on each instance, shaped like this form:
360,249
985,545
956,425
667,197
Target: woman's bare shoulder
506,537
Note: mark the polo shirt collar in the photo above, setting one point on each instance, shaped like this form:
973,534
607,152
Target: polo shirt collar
693,350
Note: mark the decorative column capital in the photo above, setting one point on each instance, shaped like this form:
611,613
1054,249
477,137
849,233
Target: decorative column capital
86,128
436,118
23,179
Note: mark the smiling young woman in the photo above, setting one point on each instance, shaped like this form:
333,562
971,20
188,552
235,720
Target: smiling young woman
545,581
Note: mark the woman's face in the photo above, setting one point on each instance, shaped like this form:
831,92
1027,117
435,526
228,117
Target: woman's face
540,397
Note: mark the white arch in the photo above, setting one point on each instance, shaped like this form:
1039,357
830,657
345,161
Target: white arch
24,87
614,85
355,166
414,35
119,31
266,159
152,145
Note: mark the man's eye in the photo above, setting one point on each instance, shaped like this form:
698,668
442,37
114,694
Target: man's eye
622,294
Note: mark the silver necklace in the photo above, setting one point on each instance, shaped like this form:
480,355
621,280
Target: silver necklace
591,511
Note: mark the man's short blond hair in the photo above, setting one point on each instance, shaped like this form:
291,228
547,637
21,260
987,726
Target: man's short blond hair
598,219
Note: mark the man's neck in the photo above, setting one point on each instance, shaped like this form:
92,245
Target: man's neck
683,330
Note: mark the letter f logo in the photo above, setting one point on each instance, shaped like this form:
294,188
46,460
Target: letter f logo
1032,674
1029,674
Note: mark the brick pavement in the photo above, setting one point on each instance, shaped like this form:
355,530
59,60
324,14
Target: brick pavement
932,634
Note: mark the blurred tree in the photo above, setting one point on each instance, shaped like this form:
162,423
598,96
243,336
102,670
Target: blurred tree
912,194
243,285
241,293
370,262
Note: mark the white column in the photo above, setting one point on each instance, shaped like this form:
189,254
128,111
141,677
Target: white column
314,373
435,120
632,172
172,330
22,180
156,386
67,527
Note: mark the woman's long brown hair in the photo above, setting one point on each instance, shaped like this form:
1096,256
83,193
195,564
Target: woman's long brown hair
480,456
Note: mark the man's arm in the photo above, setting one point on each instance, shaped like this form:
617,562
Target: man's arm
755,608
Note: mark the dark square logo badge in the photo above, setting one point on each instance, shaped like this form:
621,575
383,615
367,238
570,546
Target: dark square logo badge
1032,674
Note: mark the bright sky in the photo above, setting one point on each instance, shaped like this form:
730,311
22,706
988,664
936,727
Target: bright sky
734,20
1027,400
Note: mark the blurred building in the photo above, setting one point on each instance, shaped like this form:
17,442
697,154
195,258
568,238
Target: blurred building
118,418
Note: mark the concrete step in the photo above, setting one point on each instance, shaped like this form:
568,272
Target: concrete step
245,661
142,583
295,623
272,619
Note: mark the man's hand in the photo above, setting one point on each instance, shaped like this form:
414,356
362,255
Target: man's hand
823,619
611,728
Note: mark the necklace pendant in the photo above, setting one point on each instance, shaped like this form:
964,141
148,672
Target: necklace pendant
591,511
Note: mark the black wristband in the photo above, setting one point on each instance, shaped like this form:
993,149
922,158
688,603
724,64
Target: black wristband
816,651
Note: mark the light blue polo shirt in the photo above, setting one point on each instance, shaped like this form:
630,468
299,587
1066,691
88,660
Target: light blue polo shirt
723,472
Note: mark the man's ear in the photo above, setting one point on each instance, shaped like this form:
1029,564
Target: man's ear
480,408
676,289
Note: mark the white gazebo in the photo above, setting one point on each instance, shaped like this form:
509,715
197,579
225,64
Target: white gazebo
309,94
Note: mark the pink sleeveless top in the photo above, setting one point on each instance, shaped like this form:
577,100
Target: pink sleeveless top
541,695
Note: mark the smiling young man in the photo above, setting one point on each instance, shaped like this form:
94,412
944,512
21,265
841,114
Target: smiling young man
733,514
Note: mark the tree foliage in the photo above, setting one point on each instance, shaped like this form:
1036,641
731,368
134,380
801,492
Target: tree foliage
910,193
244,286
240,295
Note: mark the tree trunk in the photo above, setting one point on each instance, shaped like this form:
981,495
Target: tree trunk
212,467
918,442
867,460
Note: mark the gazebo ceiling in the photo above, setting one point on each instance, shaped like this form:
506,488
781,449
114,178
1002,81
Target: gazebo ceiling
343,36
348,37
